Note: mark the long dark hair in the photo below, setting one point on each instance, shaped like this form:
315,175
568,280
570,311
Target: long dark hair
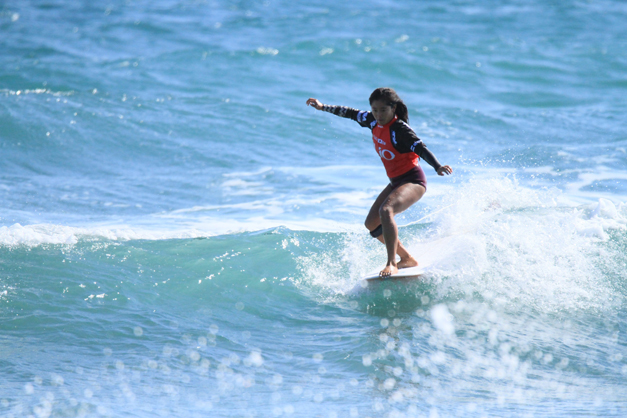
389,96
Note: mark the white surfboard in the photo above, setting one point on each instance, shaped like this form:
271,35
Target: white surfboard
409,272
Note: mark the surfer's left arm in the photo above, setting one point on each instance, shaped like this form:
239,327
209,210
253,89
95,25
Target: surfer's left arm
408,141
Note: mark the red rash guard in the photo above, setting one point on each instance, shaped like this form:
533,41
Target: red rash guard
396,142
394,162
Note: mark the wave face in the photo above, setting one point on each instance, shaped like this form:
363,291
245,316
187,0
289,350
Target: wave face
181,236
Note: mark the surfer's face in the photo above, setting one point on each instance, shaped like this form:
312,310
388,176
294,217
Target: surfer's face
382,111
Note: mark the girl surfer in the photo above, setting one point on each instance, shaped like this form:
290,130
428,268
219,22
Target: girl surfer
399,149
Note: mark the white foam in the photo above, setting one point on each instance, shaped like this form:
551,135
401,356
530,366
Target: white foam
442,319
509,244
35,91
40,234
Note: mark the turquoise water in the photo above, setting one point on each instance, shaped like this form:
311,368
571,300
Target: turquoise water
181,236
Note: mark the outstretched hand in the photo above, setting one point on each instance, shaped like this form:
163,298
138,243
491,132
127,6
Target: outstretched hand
445,169
315,103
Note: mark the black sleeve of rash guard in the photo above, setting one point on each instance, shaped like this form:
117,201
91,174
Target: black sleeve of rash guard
405,140
363,118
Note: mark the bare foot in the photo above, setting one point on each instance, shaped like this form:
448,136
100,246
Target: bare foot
388,271
408,262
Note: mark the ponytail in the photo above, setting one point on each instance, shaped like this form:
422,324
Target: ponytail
389,96
401,112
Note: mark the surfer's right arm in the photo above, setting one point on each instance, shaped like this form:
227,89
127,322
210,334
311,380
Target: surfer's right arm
315,103
364,118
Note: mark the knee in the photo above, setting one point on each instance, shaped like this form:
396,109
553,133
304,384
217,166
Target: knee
386,212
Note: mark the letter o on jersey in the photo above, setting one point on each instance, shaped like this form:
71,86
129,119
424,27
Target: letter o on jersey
386,154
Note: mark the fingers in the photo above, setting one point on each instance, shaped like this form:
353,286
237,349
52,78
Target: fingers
445,169
314,103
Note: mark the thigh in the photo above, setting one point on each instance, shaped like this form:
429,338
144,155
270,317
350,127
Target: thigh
372,220
403,197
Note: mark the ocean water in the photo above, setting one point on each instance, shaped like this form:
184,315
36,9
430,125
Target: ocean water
181,236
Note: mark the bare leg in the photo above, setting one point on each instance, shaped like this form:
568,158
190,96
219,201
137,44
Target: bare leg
388,203
407,260
397,201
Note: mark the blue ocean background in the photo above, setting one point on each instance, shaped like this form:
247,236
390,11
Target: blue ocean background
181,236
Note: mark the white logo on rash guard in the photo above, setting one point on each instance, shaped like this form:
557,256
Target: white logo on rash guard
379,140
386,154
413,147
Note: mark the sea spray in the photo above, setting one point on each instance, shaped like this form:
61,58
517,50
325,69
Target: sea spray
181,236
